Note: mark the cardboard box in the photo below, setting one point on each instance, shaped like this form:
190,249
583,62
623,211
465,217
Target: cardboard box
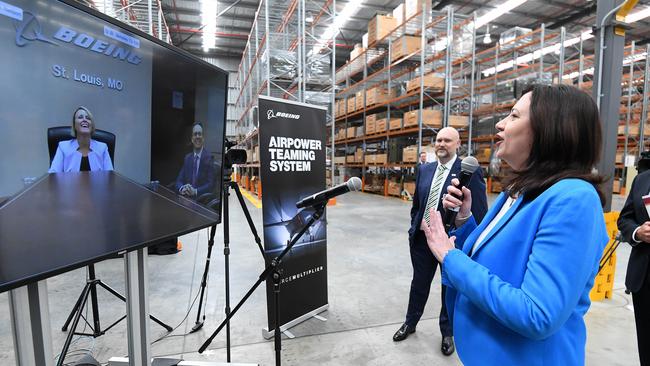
349,159
483,154
350,105
371,124
633,130
351,132
380,126
358,156
430,118
430,82
616,186
256,154
458,121
370,158
404,45
394,188
356,51
398,13
339,160
412,7
381,158
409,187
379,27
395,123
376,95
410,154
358,105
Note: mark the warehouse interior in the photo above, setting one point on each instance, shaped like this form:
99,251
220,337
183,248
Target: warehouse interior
390,74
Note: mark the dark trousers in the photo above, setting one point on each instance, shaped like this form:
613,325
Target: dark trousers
641,302
424,268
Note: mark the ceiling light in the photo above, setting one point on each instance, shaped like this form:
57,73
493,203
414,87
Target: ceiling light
351,8
487,39
635,17
529,57
209,21
497,12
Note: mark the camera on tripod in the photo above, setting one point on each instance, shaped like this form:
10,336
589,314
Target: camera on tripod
233,156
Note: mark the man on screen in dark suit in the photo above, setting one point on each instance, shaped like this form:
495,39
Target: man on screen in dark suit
197,174
430,185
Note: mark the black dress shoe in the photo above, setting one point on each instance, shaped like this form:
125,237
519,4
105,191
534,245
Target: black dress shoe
447,346
403,332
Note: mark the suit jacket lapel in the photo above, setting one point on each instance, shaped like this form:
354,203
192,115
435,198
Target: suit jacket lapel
501,222
642,190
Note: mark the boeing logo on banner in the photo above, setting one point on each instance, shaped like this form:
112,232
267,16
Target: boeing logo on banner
270,114
30,30
26,33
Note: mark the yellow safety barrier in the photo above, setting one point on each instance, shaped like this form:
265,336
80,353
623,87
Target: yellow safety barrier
604,282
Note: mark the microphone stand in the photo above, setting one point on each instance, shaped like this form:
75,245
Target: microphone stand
272,270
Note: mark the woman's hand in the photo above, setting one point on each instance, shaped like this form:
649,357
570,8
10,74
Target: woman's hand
437,239
451,201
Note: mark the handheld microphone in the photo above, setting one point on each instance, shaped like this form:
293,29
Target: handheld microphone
467,167
353,184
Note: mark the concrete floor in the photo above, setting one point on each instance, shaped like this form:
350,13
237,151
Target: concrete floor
369,274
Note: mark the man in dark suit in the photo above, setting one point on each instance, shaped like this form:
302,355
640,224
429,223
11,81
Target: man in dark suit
197,174
431,184
634,225
422,161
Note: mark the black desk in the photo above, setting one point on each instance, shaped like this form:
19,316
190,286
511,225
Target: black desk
65,221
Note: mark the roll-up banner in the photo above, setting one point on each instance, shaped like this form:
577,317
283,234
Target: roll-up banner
292,166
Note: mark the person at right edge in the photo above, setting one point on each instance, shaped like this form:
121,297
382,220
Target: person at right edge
431,181
634,225
518,290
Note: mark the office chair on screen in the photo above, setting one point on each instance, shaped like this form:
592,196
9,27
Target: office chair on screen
54,136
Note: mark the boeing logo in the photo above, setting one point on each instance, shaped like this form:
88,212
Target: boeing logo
24,33
29,30
270,114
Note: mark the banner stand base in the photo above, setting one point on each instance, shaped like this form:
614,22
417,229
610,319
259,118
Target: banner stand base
285,327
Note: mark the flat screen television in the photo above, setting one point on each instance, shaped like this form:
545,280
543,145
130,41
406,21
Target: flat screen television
63,61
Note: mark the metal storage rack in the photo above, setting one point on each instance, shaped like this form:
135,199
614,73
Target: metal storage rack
284,58
387,82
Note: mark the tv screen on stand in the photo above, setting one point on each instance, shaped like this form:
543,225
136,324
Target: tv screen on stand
66,65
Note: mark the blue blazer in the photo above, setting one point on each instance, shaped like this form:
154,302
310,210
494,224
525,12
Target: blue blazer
423,182
205,179
68,159
520,297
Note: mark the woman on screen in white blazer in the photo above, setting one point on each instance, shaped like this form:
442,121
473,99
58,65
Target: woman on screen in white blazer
81,153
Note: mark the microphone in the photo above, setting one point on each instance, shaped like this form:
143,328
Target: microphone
467,167
353,184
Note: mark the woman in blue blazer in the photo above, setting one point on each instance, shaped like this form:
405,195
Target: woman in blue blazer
81,153
519,287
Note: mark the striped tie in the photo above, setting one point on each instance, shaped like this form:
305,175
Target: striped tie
434,193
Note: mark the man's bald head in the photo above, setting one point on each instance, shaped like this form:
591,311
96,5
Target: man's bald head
447,144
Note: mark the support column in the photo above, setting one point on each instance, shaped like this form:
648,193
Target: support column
30,325
137,307
607,87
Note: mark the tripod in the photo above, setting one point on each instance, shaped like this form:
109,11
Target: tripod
90,289
228,184
272,269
